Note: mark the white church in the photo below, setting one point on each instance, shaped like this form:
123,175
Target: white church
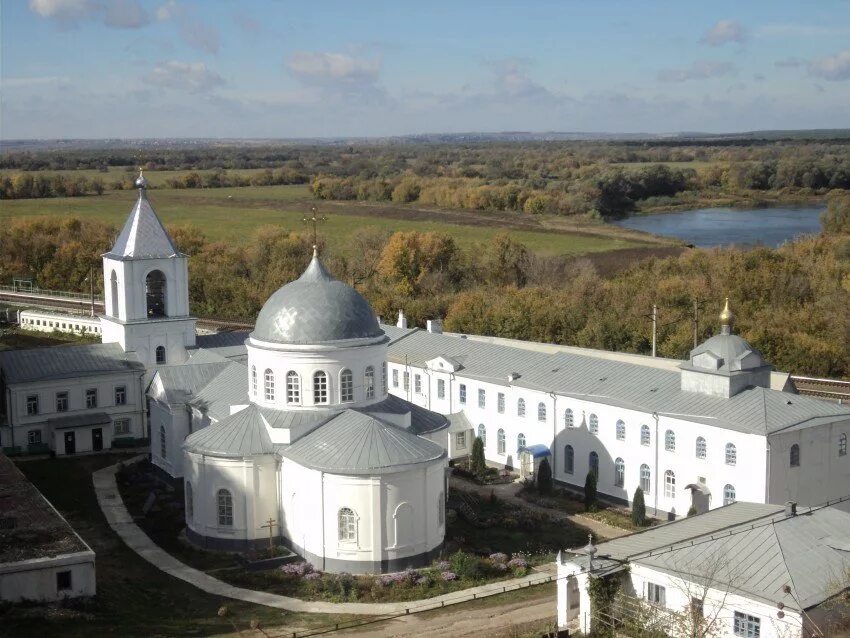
340,428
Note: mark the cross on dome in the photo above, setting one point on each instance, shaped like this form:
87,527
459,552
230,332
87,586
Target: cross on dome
313,219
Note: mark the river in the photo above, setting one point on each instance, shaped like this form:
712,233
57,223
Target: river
707,227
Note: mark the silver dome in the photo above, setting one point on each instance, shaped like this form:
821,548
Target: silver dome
316,308
732,352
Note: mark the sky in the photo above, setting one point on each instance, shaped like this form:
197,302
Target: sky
280,69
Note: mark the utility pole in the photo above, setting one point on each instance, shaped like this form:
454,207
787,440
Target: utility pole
654,327
696,323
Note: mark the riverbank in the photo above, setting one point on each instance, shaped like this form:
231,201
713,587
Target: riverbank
743,200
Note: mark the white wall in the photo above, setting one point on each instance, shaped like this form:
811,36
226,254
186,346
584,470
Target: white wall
36,579
822,474
50,322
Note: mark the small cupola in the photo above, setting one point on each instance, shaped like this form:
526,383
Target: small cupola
725,364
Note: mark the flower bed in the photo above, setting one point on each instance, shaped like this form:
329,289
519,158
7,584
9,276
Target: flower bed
460,571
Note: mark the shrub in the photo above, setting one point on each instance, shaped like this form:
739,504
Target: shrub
638,508
442,566
297,569
544,477
476,463
590,492
465,565
692,511
499,558
449,576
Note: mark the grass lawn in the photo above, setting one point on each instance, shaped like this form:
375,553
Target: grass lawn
234,213
134,598
11,338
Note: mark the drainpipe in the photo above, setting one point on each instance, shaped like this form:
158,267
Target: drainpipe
322,505
554,429
430,389
657,486
767,464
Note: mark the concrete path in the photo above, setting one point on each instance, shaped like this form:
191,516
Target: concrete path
121,521
508,492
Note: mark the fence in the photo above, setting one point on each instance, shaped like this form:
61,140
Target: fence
46,293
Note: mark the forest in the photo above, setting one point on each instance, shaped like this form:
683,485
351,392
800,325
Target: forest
791,302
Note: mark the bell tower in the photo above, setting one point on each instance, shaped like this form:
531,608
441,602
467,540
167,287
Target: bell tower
146,296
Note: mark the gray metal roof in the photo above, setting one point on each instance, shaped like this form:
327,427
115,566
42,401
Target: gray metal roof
734,352
181,382
316,308
239,435
228,387
228,344
749,548
355,443
143,235
62,362
626,385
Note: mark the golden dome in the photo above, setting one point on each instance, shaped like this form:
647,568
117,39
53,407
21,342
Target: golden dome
726,317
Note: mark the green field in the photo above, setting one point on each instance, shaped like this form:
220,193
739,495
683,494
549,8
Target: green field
232,214
113,173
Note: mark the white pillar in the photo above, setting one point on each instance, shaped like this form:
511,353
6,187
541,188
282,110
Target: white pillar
583,581
563,593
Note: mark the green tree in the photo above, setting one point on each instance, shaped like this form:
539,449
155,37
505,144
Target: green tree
590,492
476,463
544,477
638,508
836,218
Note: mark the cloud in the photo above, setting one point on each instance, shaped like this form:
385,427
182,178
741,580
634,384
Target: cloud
513,79
800,31
723,32
194,77
832,67
169,11
789,63
699,70
335,68
199,35
119,14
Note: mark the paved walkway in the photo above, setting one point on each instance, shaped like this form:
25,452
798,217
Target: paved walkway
507,492
121,521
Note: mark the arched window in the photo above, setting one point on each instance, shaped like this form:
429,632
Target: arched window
369,382
795,455
403,519
268,385
670,441
569,421
594,424
346,386
842,445
569,459
384,376
520,407
482,434
700,447
541,411
644,478
520,442
155,294
254,380
160,355
190,502
500,441
320,387
113,289
621,430
347,525
162,445
293,387
731,454
593,463
644,435
669,484
225,508
728,494
619,472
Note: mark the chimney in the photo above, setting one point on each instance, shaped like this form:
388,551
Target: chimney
513,376
402,320
790,508
435,326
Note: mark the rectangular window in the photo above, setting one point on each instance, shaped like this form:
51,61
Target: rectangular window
417,383
120,395
406,381
121,426
656,594
462,391
91,398
500,403
395,378
61,401
460,440
441,389
482,398
63,581
747,626
34,436
32,404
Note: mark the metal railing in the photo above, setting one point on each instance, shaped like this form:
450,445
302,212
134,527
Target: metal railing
46,293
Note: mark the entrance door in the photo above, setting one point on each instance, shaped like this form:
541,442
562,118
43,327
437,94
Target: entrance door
97,439
70,443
